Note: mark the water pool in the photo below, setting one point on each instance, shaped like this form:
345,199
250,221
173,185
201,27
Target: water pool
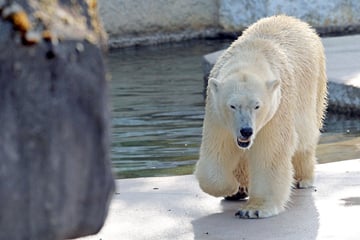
158,108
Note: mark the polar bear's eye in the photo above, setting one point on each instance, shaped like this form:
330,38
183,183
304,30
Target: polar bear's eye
257,107
232,107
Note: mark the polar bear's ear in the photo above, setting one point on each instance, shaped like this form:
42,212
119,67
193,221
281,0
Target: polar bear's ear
214,84
272,85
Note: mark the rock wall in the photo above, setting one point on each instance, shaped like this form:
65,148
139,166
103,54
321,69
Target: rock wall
235,14
130,22
142,22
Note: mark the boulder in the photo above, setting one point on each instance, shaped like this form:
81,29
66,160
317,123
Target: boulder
55,172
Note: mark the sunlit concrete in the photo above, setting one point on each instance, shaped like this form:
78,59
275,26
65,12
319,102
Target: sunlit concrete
175,208
342,59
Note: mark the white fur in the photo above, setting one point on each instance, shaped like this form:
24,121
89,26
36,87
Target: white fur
272,80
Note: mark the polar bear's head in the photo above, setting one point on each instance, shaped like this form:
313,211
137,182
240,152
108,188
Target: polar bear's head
244,102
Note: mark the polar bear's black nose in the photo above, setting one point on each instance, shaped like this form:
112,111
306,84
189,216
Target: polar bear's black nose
246,132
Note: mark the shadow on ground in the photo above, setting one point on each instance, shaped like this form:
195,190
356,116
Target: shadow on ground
301,217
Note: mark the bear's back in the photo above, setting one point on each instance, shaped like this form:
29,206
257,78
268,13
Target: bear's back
287,31
305,57
297,39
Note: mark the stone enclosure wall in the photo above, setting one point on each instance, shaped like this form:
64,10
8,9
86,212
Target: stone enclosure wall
134,22
234,14
141,22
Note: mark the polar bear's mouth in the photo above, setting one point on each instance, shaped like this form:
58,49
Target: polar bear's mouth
243,143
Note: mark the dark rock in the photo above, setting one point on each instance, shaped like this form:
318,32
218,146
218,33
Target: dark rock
344,99
55,173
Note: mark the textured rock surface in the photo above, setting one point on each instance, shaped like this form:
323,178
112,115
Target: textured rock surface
55,174
144,22
344,99
236,15
131,22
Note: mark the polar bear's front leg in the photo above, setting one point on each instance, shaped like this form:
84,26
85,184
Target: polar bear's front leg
215,168
215,178
269,188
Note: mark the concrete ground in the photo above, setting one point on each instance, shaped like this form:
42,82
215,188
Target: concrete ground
175,207
343,59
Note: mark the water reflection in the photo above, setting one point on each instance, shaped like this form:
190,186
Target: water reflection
158,108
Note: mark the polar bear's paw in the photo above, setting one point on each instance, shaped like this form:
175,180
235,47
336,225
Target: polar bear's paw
242,194
250,210
305,183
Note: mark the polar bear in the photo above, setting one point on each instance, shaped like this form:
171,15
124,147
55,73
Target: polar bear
265,104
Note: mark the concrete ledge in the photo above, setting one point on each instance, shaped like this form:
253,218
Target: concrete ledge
161,37
343,70
175,208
